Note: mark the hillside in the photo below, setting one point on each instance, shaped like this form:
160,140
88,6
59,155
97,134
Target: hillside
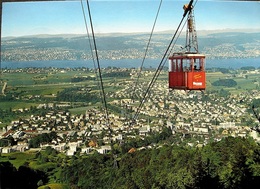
215,44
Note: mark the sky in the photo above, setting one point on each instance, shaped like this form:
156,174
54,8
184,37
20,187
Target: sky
31,18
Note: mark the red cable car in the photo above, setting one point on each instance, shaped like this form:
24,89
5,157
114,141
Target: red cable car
187,71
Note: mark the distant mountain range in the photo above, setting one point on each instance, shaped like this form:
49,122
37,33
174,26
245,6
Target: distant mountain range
215,44
200,33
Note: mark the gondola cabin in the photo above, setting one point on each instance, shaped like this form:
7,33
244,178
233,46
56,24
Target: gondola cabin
187,71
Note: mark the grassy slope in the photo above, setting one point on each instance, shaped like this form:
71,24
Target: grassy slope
18,158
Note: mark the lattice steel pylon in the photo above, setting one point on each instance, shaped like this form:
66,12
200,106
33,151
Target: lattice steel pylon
191,33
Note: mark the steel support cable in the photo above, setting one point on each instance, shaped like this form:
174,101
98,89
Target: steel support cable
171,51
91,49
146,50
99,69
174,43
161,64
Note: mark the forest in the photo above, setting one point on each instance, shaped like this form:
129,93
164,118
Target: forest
225,82
229,163
76,94
117,74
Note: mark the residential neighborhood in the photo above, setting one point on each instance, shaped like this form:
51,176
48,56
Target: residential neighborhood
201,117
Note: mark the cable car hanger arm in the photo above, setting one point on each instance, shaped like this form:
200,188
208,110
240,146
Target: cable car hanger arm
188,8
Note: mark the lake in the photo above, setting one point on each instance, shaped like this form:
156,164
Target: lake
233,63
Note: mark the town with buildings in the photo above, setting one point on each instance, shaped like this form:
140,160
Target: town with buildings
195,118
128,46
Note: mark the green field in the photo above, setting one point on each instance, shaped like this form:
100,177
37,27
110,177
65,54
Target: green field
17,104
18,158
82,110
243,84
33,88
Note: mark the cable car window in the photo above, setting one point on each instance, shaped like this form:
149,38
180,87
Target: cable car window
201,64
197,65
186,65
176,65
179,69
170,65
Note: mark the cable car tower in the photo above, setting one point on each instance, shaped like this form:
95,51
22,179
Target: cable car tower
187,69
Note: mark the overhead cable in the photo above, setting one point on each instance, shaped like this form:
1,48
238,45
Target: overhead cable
98,64
147,47
158,70
91,49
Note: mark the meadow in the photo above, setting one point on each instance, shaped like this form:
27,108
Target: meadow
29,88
